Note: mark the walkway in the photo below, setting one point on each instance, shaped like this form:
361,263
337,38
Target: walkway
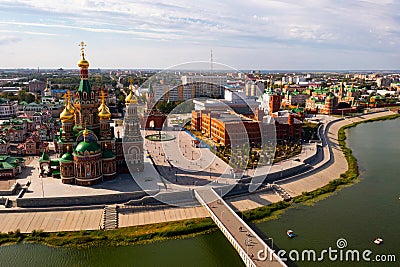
247,243
334,162
51,221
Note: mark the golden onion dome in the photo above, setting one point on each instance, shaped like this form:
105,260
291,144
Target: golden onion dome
70,107
83,63
66,115
131,99
104,112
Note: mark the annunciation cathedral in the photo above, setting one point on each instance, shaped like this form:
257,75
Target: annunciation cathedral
89,151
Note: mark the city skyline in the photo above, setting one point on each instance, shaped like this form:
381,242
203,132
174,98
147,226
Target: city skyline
252,35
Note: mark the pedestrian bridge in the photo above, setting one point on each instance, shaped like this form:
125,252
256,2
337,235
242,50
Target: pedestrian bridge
251,248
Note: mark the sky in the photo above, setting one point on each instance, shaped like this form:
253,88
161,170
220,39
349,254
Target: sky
244,34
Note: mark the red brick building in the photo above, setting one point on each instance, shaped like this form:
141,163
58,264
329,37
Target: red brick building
230,128
153,120
274,103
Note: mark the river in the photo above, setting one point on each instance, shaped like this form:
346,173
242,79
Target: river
358,214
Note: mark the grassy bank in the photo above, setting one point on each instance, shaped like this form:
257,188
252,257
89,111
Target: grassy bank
187,228
119,237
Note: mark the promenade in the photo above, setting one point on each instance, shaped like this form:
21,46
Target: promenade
180,163
62,220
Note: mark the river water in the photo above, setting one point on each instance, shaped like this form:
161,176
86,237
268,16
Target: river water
358,214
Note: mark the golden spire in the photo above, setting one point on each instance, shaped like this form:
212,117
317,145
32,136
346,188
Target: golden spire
47,89
83,63
66,115
131,98
69,105
85,133
104,111
82,45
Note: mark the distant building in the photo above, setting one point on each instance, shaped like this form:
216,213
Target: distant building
296,98
4,146
254,89
331,103
36,86
275,101
11,166
8,108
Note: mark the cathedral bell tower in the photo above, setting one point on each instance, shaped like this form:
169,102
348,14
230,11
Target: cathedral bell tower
132,138
85,98
104,116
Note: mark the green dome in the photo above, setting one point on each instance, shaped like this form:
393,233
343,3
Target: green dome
87,146
67,157
108,154
44,157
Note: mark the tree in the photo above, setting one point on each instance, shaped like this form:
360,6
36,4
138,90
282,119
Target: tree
29,98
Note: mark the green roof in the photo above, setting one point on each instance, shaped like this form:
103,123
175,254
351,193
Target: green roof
108,154
14,160
44,157
7,162
54,162
2,101
297,110
6,165
67,157
84,86
87,146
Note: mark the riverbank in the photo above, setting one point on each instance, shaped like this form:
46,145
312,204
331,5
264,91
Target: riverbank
119,237
187,228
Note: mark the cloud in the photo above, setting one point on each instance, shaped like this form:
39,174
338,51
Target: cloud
286,25
309,21
6,40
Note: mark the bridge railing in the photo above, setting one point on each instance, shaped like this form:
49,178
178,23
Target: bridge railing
248,228
245,257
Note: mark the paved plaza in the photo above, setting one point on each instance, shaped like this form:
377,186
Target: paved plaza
181,163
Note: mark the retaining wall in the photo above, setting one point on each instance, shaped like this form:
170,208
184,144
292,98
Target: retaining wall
79,200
